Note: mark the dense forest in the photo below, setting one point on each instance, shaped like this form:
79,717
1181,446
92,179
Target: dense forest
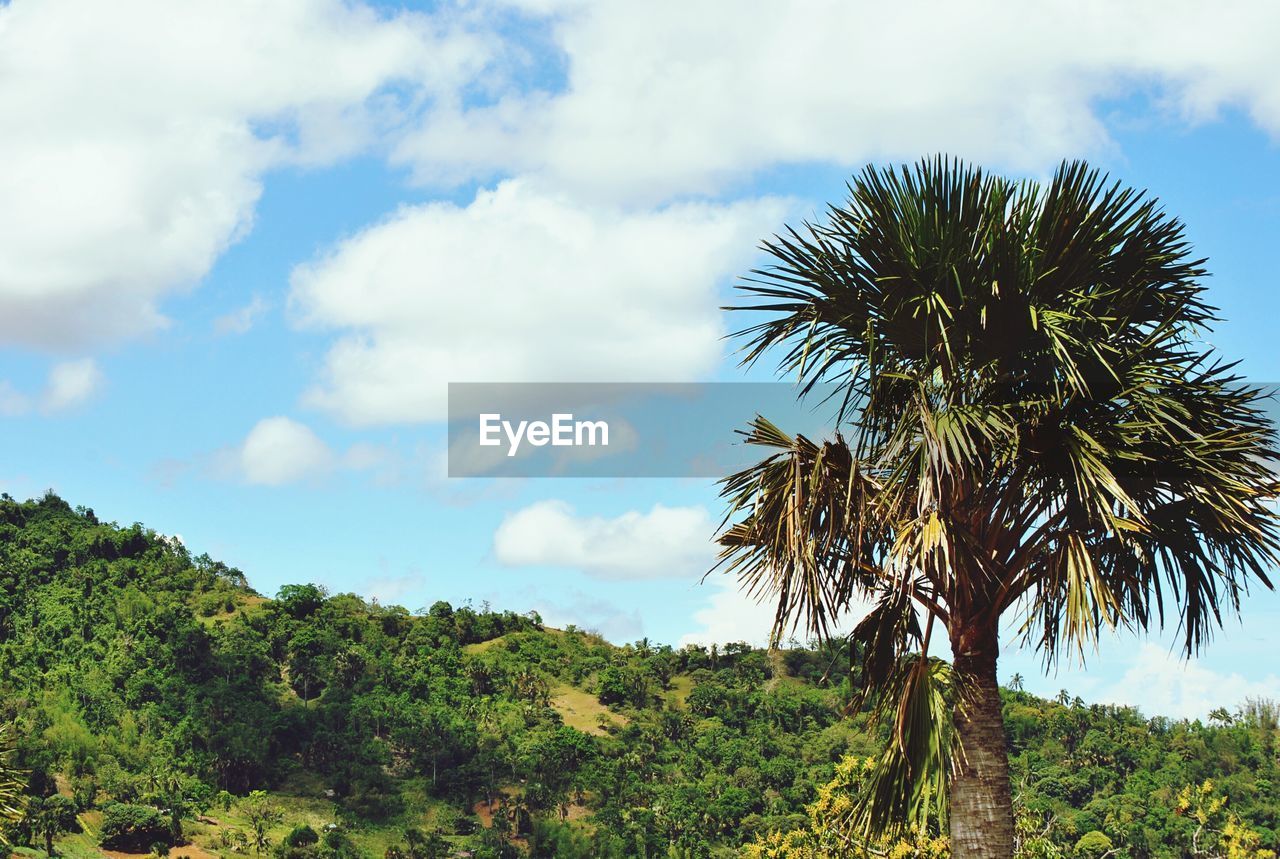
155,703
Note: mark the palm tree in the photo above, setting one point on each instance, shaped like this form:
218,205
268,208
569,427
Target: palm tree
1028,423
262,814
13,783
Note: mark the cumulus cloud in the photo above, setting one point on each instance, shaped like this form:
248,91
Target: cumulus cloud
280,450
663,102
1163,683
730,615
666,542
165,118
593,614
520,285
668,97
70,384
169,115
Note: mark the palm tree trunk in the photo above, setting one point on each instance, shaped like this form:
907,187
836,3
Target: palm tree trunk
981,801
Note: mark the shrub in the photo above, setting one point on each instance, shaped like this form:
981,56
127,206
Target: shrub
209,604
301,836
613,686
134,828
339,846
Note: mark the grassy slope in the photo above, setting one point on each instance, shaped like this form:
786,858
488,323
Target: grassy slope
583,711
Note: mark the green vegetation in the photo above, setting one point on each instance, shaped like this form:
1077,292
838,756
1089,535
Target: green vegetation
133,827
12,781
1031,424
315,726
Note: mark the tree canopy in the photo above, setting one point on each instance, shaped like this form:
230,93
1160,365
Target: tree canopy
1029,421
144,683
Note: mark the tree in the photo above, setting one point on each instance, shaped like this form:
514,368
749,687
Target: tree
300,601
301,835
308,656
425,845
1094,844
1026,416
134,828
1220,716
169,791
1217,831
49,817
823,836
262,815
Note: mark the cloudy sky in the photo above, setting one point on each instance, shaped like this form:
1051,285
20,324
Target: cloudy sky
244,247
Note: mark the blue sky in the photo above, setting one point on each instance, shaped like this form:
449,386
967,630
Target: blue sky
242,251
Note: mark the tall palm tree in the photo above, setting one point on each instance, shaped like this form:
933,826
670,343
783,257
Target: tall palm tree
1029,425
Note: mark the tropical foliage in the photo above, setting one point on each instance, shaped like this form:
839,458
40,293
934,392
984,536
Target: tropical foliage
154,693
12,783
1028,421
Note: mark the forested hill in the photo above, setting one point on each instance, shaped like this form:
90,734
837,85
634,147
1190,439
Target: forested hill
157,700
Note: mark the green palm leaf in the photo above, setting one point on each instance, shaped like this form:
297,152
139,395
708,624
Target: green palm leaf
12,783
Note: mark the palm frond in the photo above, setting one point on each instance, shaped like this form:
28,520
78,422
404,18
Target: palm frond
801,506
1030,412
12,783
906,787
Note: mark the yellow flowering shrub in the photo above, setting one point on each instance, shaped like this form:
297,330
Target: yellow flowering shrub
826,836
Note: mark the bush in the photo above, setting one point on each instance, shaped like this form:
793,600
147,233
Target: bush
613,686
339,846
301,836
1093,843
134,828
209,604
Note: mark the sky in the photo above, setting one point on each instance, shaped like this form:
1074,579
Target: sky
244,247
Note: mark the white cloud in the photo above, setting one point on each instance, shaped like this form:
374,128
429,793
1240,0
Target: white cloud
166,117
71,383
593,614
1163,683
561,273
242,319
279,450
730,615
666,542
135,134
669,97
521,285
390,589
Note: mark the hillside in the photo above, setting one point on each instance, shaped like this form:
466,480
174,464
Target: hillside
157,694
